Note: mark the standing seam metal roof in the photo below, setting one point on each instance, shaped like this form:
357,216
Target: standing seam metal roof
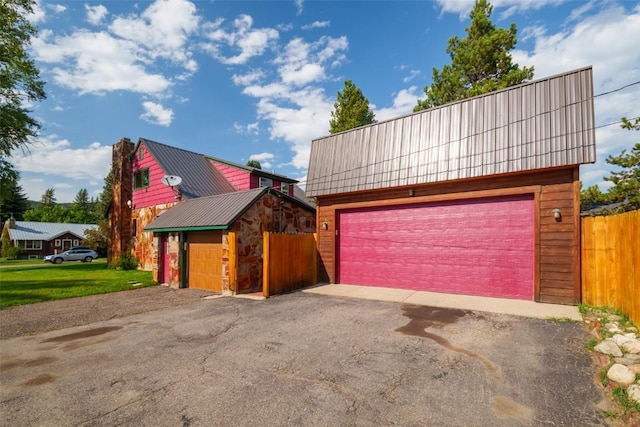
199,177
214,211
541,124
31,230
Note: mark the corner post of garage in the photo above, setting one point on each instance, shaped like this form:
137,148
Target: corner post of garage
183,259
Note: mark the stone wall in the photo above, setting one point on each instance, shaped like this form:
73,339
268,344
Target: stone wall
119,216
268,214
145,248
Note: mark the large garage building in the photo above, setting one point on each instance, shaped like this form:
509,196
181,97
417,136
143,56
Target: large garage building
477,197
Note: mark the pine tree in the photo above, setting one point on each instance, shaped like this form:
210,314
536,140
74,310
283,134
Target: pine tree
480,63
350,110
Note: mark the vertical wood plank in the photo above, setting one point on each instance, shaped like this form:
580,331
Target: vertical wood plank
265,264
233,261
611,262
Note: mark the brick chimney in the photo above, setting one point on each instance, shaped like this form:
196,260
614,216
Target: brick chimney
122,189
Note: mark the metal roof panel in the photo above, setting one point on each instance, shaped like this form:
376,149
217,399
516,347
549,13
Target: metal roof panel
541,124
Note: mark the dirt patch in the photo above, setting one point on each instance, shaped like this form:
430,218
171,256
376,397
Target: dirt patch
55,315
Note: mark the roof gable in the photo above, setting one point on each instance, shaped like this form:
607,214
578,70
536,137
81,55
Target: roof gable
255,171
215,212
31,230
541,124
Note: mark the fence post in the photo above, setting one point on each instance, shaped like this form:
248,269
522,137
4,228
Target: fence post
233,261
265,264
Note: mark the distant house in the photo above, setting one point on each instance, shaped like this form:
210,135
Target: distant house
476,197
37,239
195,220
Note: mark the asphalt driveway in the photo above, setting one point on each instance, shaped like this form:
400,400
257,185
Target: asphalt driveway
301,359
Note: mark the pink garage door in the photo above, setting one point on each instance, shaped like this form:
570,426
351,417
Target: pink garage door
474,247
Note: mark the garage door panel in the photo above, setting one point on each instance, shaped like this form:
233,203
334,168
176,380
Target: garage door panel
205,261
480,247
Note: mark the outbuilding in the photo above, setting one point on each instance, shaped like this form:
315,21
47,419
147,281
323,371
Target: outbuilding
478,197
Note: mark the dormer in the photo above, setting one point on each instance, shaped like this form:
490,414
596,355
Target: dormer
244,177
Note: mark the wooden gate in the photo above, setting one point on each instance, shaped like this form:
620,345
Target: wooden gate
611,262
290,262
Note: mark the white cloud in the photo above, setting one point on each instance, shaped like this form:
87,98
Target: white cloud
299,6
51,155
156,114
249,78
95,14
463,7
403,103
97,62
249,41
412,75
37,15
264,159
143,53
605,40
57,8
249,129
163,29
317,24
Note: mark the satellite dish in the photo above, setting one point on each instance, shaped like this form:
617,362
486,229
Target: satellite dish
171,180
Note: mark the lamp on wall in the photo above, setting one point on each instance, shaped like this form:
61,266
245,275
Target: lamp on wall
557,214
129,204
325,225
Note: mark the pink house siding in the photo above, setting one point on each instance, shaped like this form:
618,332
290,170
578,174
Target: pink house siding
237,177
156,193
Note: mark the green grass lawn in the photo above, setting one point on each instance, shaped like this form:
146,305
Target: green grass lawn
36,282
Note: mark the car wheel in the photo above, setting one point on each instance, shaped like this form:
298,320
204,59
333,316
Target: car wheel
58,261
88,259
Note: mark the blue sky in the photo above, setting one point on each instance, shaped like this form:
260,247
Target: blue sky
246,80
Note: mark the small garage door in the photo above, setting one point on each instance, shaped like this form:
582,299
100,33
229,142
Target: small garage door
474,247
204,254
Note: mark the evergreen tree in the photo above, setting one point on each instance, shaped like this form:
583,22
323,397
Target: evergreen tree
254,164
48,198
13,202
626,182
480,63
350,110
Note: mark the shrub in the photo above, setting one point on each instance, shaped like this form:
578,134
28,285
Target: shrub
126,261
13,252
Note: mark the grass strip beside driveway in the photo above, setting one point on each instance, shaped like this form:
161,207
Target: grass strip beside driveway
28,284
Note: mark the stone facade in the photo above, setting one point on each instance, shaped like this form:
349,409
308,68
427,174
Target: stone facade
119,212
145,247
270,213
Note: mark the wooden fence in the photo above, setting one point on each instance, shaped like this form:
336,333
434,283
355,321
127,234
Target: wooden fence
611,262
290,262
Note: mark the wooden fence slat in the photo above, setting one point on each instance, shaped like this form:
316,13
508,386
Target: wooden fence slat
611,262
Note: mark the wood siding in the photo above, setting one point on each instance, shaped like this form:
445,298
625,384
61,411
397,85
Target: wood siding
289,262
239,178
204,256
156,193
557,242
611,262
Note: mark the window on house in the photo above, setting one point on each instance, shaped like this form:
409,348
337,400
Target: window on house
75,242
30,244
57,243
284,187
266,182
141,153
141,179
